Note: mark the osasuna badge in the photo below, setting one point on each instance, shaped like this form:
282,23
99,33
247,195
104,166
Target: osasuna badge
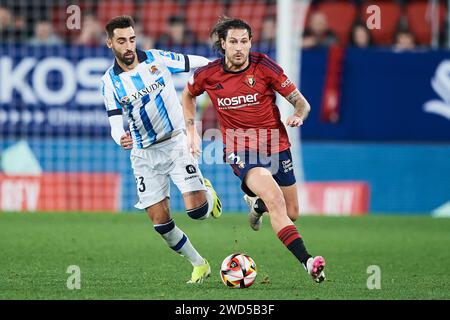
251,81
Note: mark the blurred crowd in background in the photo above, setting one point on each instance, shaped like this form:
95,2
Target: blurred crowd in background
167,24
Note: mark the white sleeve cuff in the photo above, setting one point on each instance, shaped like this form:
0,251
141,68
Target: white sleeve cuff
117,130
197,61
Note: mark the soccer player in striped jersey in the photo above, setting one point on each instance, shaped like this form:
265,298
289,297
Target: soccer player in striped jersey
242,88
139,86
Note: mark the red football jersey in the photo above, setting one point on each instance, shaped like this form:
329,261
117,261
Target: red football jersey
245,102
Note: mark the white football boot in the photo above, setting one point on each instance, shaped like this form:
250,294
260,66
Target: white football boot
254,218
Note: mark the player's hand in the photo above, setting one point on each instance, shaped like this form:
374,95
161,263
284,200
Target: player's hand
126,141
194,143
294,121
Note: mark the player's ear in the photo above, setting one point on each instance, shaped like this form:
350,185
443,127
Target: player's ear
109,42
222,43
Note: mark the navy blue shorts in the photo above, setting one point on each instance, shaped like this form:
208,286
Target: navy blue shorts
279,164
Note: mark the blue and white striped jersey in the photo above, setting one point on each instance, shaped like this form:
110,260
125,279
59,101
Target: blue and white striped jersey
146,95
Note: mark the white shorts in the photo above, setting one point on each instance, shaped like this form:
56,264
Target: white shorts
154,166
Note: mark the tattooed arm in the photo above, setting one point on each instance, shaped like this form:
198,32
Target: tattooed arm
301,106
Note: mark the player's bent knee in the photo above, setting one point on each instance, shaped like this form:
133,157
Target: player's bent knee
199,213
274,200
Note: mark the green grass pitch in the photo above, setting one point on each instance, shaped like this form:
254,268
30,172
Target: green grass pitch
122,257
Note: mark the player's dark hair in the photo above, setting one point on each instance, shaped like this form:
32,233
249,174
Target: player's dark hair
120,22
220,31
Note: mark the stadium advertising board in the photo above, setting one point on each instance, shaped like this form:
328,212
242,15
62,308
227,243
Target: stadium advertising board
60,192
55,91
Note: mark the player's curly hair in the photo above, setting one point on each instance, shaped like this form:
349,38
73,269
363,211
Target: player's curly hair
119,22
220,31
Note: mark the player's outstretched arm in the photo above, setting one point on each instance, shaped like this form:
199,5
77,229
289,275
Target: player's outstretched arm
197,61
188,102
302,109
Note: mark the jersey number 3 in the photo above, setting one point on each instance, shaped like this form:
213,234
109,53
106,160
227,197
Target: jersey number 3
140,183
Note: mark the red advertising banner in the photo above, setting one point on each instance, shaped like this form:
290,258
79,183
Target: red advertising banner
335,198
60,192
101,192
330,111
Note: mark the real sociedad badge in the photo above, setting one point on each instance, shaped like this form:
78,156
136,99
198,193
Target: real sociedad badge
154,70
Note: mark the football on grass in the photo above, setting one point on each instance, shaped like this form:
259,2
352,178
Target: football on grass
238,270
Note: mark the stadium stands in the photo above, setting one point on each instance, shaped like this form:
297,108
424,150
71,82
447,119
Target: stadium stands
340,17
391,13
108,9
58,16
419,20
253,12
200,16
155,14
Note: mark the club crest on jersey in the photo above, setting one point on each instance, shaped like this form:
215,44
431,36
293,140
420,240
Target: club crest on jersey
154,70
125,100
251,81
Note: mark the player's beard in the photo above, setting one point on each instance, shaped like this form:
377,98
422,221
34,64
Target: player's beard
238,63
124,59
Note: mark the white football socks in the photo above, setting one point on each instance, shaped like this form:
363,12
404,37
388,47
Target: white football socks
178,241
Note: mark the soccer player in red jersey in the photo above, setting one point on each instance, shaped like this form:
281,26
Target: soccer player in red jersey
242,88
